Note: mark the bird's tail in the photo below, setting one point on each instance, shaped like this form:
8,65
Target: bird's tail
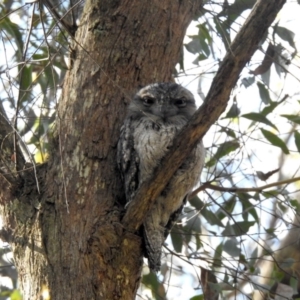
153,239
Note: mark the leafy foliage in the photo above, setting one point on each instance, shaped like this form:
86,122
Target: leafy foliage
234,222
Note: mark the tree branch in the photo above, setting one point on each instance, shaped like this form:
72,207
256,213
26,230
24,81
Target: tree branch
240,52
70,28
209,185
7,153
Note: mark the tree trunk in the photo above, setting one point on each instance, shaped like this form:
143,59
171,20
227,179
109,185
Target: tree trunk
68,237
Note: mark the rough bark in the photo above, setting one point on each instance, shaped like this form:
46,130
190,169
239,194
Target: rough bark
69,238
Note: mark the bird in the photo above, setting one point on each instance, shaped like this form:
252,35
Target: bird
155,115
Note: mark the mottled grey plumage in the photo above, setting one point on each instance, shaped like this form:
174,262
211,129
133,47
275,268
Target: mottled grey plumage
155,115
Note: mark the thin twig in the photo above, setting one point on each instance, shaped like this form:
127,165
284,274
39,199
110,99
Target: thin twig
26,148
70,28
209,185
15,125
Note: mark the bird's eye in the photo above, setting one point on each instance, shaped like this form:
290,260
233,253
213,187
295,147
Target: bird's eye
148,101
180,102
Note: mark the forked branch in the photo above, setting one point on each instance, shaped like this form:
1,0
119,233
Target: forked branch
240,52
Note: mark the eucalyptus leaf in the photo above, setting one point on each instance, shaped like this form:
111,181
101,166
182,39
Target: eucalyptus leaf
231,247
292,118
211,218
194,45
264,93
269,108
224,149
286,35
297,140
13,31
238,228
198,297
233,112
218,256
258,117
275,140
176,239
248,81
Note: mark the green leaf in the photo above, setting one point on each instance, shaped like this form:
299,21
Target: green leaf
266,77
264,93
297,140
258,117
293,118
198,297
238,228
194,45
294,284
248,208
217,262
223,150
150,280
235,10
246,82
51,76
196,202
32,119
25,84
201,57
12,30
176,240
198,241
198,44
223,31
282,206
227,208
228,131
226,277
231,247
204,47
211,217
38,56
233,112
256,196
286,35
193,224
204,32
253,258
270,194
275,140
286,263
204,39
268,109
296,205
